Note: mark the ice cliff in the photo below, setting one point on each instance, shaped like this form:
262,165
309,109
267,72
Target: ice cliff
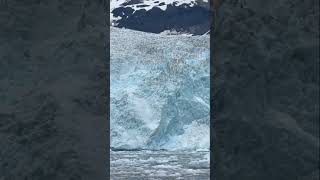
159,91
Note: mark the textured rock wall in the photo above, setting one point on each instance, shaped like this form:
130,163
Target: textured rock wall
53,90
266,90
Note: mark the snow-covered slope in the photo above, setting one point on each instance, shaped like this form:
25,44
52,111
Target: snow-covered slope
147,5
191,16
159,90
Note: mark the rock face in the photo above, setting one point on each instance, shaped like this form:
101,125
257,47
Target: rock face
190,16
53,90
266,90
159,91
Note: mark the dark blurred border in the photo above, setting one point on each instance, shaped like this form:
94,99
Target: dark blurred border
54,79
265,90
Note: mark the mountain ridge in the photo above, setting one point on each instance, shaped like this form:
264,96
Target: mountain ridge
190,16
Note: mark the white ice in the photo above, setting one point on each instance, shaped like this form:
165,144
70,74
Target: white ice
159,91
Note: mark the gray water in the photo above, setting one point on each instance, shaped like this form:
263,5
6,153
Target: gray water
157,165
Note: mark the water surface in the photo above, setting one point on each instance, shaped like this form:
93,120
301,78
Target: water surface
157,165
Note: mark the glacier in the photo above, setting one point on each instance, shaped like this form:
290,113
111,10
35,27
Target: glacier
159,91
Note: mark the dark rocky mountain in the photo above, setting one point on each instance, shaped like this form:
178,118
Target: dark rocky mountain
154,16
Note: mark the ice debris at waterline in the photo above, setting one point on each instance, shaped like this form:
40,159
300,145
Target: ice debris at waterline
155,165
159,91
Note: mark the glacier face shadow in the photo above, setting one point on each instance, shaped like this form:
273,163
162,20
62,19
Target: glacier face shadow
159,92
